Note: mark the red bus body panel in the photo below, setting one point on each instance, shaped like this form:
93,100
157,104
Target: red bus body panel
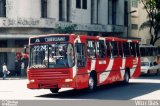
108,69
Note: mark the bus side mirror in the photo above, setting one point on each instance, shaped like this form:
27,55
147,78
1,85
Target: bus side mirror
25,48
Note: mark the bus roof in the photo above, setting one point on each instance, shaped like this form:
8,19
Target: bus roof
86,36
45,35
147,46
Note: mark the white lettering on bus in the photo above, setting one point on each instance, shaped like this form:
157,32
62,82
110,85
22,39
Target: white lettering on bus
40,48
51,39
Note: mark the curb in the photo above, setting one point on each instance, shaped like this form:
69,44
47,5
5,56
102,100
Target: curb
13,78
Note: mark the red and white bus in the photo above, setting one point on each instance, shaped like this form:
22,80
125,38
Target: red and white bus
80,61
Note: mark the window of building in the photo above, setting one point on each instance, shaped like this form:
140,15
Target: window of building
126,13
84,4
44,8
101,49
81,4
92,11
134,26
98,11
68,10
112,11
91,49
135,3
65,10
2,8
78,3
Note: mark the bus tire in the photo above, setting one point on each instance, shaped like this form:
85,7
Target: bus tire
92,82
126,77
54,90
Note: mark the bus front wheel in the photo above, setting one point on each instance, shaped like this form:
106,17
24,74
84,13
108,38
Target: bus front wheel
54,90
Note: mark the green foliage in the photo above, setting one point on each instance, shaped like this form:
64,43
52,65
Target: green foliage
67,29
145,25
152,7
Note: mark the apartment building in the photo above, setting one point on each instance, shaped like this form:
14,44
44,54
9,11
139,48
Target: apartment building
137,19
20,19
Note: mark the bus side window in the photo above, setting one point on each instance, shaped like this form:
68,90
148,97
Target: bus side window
120,49
91,49
108,49
158,50
142,51
133,49
137,50
155,51
114,49
101,49
80,54
126,49
149,51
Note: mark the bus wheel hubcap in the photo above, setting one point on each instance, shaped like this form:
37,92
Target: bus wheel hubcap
127,77
91,83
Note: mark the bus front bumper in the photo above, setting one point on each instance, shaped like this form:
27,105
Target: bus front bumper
35,85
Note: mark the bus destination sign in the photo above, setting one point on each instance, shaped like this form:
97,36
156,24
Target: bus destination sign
49,39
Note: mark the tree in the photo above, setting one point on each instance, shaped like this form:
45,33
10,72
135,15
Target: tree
67,29
152,8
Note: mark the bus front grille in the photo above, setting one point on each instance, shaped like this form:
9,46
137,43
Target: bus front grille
48,75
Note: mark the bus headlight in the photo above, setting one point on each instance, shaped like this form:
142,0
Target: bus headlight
31,81
68,80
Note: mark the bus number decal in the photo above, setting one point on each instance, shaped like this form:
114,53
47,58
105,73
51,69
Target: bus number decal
40,48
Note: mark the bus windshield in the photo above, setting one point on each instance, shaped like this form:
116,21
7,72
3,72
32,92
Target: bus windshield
52,56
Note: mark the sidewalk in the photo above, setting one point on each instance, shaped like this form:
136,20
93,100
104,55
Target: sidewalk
14,78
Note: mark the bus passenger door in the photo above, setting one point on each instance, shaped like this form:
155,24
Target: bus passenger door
135,59
82,76
101,56
117,61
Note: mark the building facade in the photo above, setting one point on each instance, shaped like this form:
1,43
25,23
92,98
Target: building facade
137,19
20,19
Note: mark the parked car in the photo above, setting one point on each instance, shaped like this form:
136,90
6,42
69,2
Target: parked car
149,68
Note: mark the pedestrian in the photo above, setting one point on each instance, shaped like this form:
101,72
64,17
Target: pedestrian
18,68
22,69
5,70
